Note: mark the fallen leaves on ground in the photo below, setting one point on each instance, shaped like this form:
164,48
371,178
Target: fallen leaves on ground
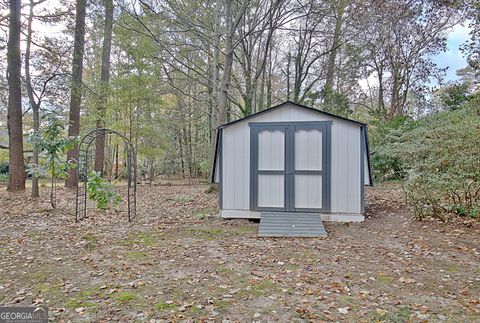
177,261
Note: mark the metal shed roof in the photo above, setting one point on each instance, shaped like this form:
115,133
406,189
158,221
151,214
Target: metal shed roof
297,105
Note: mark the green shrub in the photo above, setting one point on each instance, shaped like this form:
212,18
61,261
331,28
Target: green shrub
440,157
387,168
384,135
101,191
456,95
52,142
4,168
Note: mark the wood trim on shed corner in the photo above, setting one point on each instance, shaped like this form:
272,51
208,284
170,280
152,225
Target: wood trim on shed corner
219,153
362,169
215,154
367,148
220,168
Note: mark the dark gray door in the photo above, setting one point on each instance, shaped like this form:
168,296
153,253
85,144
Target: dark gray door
290,168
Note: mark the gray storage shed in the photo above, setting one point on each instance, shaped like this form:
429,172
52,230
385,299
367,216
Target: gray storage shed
292,158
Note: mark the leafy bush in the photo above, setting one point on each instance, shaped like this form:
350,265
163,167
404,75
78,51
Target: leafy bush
456,95
101,191
386,165
440,156
4,168
52,142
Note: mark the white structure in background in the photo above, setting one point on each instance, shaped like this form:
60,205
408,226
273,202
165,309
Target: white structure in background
292,158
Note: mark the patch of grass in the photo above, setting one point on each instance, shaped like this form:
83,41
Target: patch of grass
125,297
40,275
207,233
225,270
91,241
194,310
385,279
74,303
145,238
452,268
244,229
205,214
183,198
50,291
222,304
83,299
292,267
400,316
164,306
346,300
260,288
35,235
135,255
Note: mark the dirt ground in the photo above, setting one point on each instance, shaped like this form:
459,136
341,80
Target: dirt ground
177,261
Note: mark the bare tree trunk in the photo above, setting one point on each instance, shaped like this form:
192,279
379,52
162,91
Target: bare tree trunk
215,79
188,155
53,196
181,153
104,80
34,105
289,58
76,87
227,72
116,160
381,101
394,97
151,171
16,173
335,45
269,78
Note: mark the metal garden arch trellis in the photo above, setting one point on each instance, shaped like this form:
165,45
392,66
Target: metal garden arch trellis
84,160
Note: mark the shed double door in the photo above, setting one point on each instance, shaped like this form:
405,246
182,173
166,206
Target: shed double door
290,166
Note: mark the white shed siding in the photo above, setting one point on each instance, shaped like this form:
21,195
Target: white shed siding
345,162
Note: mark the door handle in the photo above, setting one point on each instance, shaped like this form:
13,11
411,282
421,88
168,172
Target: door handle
289,173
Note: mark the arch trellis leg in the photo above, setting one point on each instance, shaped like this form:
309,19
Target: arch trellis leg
84,161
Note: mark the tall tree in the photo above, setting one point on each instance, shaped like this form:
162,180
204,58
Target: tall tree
401,38
309,38
33,103
337,33
104,80
76,86
43,62
16,178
